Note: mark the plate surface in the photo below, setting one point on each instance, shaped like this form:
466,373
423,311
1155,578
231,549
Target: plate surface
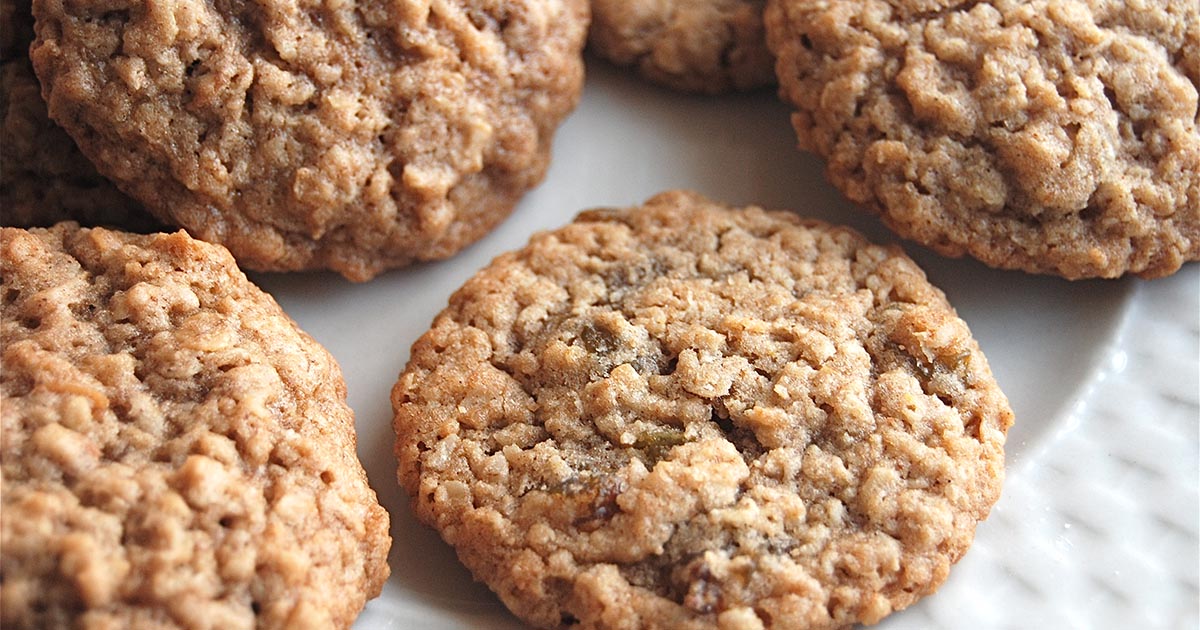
1097,527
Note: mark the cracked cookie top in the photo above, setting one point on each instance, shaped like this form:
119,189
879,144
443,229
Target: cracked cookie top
1053,136
176,453
706,46
683,415
354,136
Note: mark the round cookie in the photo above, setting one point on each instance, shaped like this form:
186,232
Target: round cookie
176,453
351,136
44,178
707,46
1053,136
687,416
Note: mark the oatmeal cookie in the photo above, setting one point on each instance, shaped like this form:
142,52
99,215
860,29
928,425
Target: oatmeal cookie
354,136
707,46
176,453
687,416
1053,136
43,176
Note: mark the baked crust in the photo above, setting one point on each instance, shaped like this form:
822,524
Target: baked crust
1053,136
176,452
687,416
356,137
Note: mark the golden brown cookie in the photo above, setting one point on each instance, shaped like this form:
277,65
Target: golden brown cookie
1054,136
688,416
351,136
707,46
43,176
175,452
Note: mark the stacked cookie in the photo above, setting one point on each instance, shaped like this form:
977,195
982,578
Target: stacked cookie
176,452
358,137
684,415
677,415
1053,137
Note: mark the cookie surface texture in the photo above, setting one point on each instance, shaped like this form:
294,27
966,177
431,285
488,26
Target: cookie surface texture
706,46
1053,136
44,178
686,416
176,453
351,136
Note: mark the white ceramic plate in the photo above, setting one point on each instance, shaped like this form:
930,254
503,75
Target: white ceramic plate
1098,524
